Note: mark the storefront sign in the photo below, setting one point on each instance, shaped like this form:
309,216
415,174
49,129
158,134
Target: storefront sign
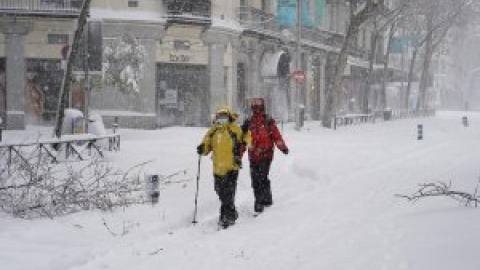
180,58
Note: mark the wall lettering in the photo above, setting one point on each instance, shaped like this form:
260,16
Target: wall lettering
179,58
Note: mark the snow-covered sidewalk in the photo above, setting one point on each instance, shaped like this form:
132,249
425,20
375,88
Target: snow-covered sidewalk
334,206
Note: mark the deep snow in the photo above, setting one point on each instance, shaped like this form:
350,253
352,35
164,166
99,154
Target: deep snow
334,206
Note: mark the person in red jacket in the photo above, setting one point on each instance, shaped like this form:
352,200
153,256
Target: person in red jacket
264,136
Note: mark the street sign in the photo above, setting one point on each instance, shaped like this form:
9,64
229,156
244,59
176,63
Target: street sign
298,75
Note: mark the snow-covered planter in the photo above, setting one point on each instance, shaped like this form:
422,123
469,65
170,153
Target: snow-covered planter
124,60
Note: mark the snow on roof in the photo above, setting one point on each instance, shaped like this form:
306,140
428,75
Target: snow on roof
226,24
131,15
122,113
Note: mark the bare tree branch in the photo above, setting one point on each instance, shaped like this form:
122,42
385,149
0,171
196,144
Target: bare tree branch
441,189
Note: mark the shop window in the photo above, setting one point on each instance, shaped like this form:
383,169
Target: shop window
133,3
181,45
57,38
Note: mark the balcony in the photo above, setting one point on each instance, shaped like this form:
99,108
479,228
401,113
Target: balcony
195,12
257,20
42,8
324,37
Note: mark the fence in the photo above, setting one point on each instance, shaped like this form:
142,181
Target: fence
71,145
40,6
385,115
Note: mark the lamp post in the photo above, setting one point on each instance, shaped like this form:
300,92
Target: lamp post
1,127
470,84
298,65
464,68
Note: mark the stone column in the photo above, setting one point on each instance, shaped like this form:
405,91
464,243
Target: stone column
322,84
308,92
217,43
233,76
216,75
254,70
15,72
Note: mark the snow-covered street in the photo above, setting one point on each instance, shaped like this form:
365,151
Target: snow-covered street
334,206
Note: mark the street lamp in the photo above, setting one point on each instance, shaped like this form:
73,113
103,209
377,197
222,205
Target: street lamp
298,88
464,66
470,83
1,127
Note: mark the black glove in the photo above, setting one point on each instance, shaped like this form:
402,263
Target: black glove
238,161
285,151
246,126
200,149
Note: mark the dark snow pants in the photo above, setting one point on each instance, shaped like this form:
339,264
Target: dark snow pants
225,187
260,182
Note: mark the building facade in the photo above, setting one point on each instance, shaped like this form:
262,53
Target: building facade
199,55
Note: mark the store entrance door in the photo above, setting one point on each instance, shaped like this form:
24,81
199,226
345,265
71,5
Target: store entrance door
182,98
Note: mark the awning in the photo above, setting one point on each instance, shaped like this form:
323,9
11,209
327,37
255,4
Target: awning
269,64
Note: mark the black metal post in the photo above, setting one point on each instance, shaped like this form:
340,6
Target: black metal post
420,132
464,121
1,128
115,124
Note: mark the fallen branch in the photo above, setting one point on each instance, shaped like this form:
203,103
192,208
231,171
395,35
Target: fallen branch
442,189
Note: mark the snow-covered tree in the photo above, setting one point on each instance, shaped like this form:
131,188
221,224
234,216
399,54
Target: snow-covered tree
124,60
361,11
434,19
72,54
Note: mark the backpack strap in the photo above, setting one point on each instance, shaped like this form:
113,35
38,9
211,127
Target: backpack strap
266,122
236,145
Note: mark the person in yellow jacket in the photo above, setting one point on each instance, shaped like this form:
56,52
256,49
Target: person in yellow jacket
227,143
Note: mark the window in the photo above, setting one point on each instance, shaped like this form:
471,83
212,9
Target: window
133,3
264,5
181,44
57,38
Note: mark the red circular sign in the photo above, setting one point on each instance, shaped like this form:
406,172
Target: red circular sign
298,75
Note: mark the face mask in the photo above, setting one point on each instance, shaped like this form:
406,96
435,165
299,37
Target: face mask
222,121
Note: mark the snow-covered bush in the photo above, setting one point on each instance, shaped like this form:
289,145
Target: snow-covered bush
35,187
124,60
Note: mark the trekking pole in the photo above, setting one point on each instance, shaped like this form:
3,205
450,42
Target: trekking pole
196,193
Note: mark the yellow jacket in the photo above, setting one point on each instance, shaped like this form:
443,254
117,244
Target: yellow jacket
221,141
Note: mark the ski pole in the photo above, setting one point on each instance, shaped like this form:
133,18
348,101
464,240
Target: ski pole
196,193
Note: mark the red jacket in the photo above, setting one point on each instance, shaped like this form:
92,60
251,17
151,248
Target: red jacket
264,134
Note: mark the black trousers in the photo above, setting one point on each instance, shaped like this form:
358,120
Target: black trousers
225,187
260,183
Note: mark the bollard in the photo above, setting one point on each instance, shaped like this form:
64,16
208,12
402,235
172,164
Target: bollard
334,122
115,124
465,121
152,183
1,128
420,132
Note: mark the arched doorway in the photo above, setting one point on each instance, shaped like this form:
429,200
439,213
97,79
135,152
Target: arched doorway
275,71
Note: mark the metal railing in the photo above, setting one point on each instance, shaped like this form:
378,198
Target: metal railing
193,12
255,18
325,37
40,7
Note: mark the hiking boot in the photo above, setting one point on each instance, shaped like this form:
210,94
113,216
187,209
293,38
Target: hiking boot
267,203
258,207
